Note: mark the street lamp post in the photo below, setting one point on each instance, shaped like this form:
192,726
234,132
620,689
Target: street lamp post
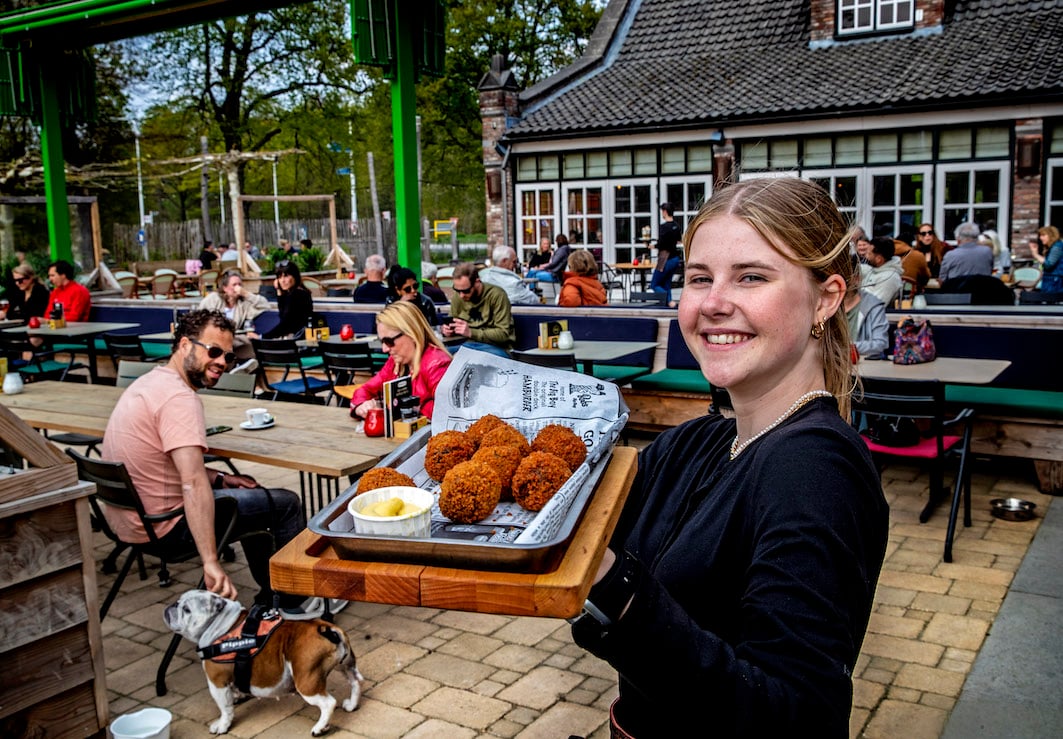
140,190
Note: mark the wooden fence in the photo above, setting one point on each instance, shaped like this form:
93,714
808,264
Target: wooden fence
172,240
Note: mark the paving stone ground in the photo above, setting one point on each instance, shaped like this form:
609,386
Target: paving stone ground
432,673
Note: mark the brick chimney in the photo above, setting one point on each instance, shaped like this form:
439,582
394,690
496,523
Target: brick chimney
498,103
928,14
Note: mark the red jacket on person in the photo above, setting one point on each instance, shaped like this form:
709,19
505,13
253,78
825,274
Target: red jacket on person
75,300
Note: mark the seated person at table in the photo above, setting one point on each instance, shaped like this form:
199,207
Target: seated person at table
969,257
501,275
540,258
429,284
373,290
480,313
869,329
158,430
881,272
553,271
207,255
239,306
72,296
413,349
294,302
28,297
1050,256
582,286
403,284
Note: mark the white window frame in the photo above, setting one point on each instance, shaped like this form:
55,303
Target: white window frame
682,214
876,7
1053,169
636,246
522,217
863,210
1003,168
896,209
585,185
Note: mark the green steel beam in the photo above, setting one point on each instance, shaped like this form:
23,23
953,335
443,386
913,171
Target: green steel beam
57,209
404,136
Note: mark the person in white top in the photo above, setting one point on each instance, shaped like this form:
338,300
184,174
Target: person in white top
501,274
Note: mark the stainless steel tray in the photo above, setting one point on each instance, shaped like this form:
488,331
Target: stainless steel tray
454,545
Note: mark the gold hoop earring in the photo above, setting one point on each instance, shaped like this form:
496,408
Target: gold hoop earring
818,329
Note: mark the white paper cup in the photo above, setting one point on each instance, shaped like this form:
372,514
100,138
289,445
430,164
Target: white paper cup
259,416
417,525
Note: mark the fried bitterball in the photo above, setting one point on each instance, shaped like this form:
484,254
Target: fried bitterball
562,442
506,436
537,478
470,491
445,450
479,428
503,460
382,477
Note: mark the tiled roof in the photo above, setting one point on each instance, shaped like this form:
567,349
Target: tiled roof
686,63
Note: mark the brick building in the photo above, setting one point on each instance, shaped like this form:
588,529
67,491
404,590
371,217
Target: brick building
906,110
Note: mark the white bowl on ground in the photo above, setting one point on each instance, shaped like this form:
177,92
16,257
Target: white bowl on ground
416,525
149,723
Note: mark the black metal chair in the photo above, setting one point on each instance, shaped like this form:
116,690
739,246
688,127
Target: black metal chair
33,362
283,354
116,490
916,402
948,298
561,360
342,363
130,347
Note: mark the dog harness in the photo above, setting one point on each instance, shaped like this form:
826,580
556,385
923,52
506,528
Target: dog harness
242,642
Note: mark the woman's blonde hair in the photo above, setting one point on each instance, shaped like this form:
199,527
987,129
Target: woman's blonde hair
407,318
800,222
1051,232
23,270
582,262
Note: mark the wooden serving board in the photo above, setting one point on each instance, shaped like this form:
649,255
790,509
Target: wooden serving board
308,565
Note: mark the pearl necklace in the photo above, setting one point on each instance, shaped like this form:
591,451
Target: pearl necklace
737,448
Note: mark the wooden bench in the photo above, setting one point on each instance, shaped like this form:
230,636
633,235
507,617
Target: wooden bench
1016,422
671,396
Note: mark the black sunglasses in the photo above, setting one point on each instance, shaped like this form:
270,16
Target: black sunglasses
466,291
216,351
926,233
389,341
410,289
20,280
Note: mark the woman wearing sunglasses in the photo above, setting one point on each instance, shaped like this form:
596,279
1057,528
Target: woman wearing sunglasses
294,302
402,284
413,349
29,298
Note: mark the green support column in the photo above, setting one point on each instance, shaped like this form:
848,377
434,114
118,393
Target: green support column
57,208
404,136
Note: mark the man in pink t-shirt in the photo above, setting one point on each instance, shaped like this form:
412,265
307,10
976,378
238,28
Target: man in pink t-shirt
158,431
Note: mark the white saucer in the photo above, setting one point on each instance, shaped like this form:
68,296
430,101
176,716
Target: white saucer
251,427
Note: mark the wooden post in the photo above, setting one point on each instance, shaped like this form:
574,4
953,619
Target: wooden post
97,235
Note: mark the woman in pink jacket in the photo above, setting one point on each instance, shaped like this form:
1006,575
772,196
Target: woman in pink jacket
413,349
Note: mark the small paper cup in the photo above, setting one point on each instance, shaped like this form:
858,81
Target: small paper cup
414,525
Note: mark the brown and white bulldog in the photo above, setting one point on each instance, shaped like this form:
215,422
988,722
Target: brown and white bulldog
298,654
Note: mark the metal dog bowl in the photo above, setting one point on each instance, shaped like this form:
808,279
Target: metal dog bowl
1012,509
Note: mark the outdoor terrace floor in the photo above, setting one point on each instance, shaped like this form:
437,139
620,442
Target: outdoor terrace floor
432,673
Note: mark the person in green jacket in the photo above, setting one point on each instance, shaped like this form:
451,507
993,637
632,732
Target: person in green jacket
480,312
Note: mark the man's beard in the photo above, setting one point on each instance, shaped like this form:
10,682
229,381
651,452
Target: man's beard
196,373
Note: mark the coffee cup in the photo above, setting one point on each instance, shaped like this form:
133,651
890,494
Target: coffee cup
259,417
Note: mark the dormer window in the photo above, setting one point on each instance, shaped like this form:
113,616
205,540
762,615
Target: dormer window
869,16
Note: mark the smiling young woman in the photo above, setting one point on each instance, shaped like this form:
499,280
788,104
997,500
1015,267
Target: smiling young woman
738,584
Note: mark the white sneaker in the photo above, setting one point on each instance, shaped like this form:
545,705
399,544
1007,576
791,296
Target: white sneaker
245,368
310,608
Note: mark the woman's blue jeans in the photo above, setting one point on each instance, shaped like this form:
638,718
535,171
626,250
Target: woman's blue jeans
662,279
